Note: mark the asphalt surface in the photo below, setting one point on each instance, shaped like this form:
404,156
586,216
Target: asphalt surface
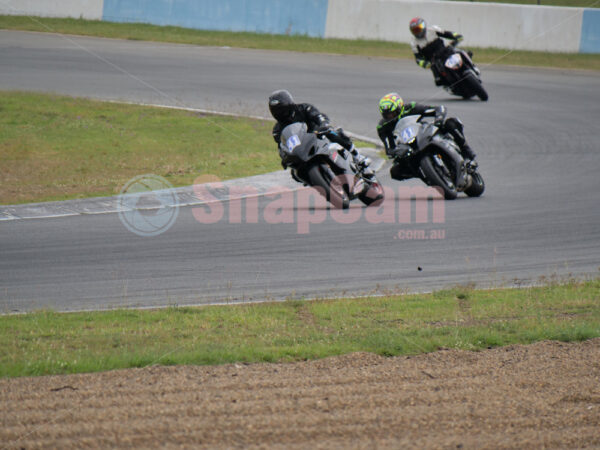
537,146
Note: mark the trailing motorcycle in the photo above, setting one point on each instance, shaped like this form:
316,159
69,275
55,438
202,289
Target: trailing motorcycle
458,73
422,151
317,162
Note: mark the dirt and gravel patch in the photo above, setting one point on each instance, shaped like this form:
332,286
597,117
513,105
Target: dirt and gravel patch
546,395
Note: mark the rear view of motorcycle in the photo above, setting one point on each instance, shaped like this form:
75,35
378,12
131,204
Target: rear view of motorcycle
422,151
328,167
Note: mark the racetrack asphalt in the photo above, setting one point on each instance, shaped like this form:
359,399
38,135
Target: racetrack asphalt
536,140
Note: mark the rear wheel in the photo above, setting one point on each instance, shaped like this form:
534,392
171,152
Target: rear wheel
477,185
320,175
438,176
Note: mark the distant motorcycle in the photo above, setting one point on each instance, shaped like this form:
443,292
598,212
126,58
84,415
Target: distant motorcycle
325,165
424,152
458,73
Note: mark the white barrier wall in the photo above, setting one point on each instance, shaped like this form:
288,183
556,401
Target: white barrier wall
507,26
523,27
86,9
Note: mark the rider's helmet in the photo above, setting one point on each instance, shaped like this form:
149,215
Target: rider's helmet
282,106
390,106
418,27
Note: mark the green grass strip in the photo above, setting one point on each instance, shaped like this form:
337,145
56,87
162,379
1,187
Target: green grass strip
58,343
55,148
371,48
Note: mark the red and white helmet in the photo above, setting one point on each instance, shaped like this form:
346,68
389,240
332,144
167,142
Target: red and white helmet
418,27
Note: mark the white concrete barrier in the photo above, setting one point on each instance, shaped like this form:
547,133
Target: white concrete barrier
523,27
86,9
507,26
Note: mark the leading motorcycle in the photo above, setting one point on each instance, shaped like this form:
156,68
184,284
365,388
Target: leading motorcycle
423,151
458,73
318,162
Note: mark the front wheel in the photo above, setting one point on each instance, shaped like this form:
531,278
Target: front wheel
373,195
438,176
477,186
320,175
475,86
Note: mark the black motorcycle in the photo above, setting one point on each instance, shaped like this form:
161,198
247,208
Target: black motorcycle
318,162
458,73
422,151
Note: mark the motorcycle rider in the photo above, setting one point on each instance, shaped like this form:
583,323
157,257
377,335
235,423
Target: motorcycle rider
393,108
427,43
285,111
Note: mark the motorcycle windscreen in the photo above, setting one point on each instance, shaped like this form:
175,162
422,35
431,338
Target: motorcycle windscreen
297,141
292,135
407,129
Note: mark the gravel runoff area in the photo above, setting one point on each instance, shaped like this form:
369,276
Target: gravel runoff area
545,395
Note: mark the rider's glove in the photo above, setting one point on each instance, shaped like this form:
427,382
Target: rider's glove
398,153
424,63
283,164
440,115
457,37
390,152
323,129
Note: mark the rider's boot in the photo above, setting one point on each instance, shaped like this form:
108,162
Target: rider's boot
362,162
467,152
469,156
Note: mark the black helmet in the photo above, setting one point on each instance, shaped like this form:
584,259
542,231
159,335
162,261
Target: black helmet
282,106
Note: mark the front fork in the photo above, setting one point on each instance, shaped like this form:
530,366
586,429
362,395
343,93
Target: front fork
461,180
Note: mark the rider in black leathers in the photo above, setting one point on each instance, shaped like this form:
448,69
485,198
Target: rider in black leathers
285,111
393,108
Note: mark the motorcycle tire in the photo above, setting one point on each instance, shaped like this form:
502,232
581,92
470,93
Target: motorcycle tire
319,176
373,196
475,86
477,186
437,179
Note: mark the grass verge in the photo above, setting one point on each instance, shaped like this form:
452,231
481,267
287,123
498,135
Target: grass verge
56,148
56,343
372,48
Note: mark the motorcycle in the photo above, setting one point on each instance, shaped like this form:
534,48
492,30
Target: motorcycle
422,151
458,73
318,162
